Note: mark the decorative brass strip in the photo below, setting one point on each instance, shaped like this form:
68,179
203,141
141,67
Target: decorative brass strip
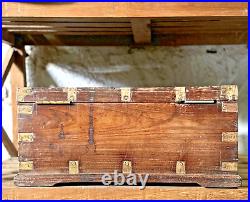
25,137
229,107
229,92
180,167
180,94
45,102
24,109
26,165
126,94
71,97
126,167
22,93
73,167
200,101
229,166
230,137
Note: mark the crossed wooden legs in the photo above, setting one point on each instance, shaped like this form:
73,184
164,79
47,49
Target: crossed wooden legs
14,64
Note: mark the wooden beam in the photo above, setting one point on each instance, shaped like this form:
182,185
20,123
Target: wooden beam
8,144
80,40
200,39
141,30
8,38
7,63
157,40
93,33
18,79
53,39
123,9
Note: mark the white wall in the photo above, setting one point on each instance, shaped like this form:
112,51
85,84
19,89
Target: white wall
6,105
150,66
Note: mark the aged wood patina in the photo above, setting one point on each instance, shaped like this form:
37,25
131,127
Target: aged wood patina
174,134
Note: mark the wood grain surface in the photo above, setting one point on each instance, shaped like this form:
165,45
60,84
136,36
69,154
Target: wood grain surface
153,135
113,95
123,9
125,23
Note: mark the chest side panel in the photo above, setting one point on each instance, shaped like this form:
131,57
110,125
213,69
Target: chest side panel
153,136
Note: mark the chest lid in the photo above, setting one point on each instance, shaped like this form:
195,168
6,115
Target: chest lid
128,95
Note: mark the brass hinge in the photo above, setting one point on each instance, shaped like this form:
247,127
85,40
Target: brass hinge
229,166
126,95
25,109
180,94
71,97
229,92
230,137
46,102
73,167
71,94
25,137
126,167
22,93
180,167
26,165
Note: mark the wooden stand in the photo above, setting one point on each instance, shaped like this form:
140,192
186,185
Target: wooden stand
202,180
11,192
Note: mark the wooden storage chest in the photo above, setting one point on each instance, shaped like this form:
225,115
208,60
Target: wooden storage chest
174,134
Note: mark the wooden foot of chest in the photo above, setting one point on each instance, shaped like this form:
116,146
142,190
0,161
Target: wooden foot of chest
202,180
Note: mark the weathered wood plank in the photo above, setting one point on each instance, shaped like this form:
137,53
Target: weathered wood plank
176,39
8,38
123,9
141,30
172,23
11,149
6,66
125,192
201,179
18,79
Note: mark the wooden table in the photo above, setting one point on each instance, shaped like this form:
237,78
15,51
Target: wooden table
10,191
124,23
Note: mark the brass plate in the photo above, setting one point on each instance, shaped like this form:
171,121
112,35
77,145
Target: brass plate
73,167
180,94
230,92
72,92
230,137
180,167
25,137
22,93
26,165
229,166
126,167
126,95
24,109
